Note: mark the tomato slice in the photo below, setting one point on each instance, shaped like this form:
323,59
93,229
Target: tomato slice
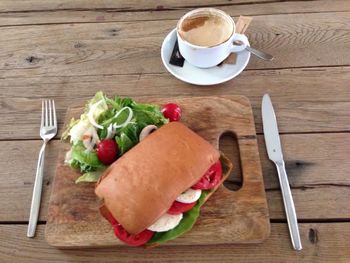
132,240
211,178
122,234
178,207
107,215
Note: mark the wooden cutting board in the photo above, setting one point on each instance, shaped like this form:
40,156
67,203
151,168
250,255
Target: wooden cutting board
228,216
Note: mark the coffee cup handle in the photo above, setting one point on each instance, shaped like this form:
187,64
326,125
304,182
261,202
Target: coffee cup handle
244,43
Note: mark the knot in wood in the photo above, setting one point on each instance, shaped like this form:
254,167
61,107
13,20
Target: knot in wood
313,235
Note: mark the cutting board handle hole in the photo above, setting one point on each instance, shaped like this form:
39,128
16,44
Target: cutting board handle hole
228,144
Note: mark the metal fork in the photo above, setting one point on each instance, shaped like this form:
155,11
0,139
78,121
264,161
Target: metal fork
48,130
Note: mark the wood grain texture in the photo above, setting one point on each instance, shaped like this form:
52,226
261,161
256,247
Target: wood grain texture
70,64
240,217
315,178
111,15
324,242
305,100
296,40
22,5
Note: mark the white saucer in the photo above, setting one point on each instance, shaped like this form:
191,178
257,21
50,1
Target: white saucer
200,76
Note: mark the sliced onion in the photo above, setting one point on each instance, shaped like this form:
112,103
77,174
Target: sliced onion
147,131
111,129
90,114
128,119
110,132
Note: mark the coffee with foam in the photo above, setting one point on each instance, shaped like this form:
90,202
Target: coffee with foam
205,28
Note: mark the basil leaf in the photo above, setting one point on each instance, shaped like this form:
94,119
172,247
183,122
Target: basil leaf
186,224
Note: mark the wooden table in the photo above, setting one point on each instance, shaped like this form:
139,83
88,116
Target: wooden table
67,50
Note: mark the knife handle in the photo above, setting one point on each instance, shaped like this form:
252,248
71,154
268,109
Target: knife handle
289,206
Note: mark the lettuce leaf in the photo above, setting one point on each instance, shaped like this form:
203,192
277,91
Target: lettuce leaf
118,102
65,134
86,161
124,143
89,177
98,97
128,137
147,114
186,224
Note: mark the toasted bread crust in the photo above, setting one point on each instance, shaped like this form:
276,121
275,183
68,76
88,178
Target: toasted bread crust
141,185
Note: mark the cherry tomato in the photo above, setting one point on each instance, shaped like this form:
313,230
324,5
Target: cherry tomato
122,234
211,178
178,207
171,111
107,151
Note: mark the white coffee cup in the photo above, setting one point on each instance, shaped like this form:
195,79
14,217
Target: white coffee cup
204,56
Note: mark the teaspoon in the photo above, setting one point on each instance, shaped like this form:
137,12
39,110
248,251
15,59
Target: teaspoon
258,53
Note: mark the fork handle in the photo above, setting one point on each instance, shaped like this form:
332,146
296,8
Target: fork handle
38,185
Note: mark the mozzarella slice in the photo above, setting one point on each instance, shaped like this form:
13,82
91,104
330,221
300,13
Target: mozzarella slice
189,196
166,222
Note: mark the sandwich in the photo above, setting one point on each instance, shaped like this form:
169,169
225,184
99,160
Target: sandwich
153,193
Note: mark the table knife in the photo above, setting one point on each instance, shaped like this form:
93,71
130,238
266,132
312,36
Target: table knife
274,151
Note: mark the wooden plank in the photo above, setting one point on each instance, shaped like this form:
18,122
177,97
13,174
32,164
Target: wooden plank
307,157
324,242
306,100
296,40
101,16
22,5
18,180
334,201
312,160
316,181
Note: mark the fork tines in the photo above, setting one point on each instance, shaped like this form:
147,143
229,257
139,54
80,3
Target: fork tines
48,114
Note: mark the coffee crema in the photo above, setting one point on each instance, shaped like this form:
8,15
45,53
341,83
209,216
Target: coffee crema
205,29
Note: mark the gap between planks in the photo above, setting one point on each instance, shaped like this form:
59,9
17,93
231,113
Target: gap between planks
58,137
160,7
81,16
148,20
321,242
165,73
272,221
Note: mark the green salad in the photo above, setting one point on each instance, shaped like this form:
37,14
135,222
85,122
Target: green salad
106,119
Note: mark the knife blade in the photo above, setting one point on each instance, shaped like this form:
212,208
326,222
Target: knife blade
274,151
271,134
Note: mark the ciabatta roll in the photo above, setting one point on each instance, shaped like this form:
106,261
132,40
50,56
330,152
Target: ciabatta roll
141,186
